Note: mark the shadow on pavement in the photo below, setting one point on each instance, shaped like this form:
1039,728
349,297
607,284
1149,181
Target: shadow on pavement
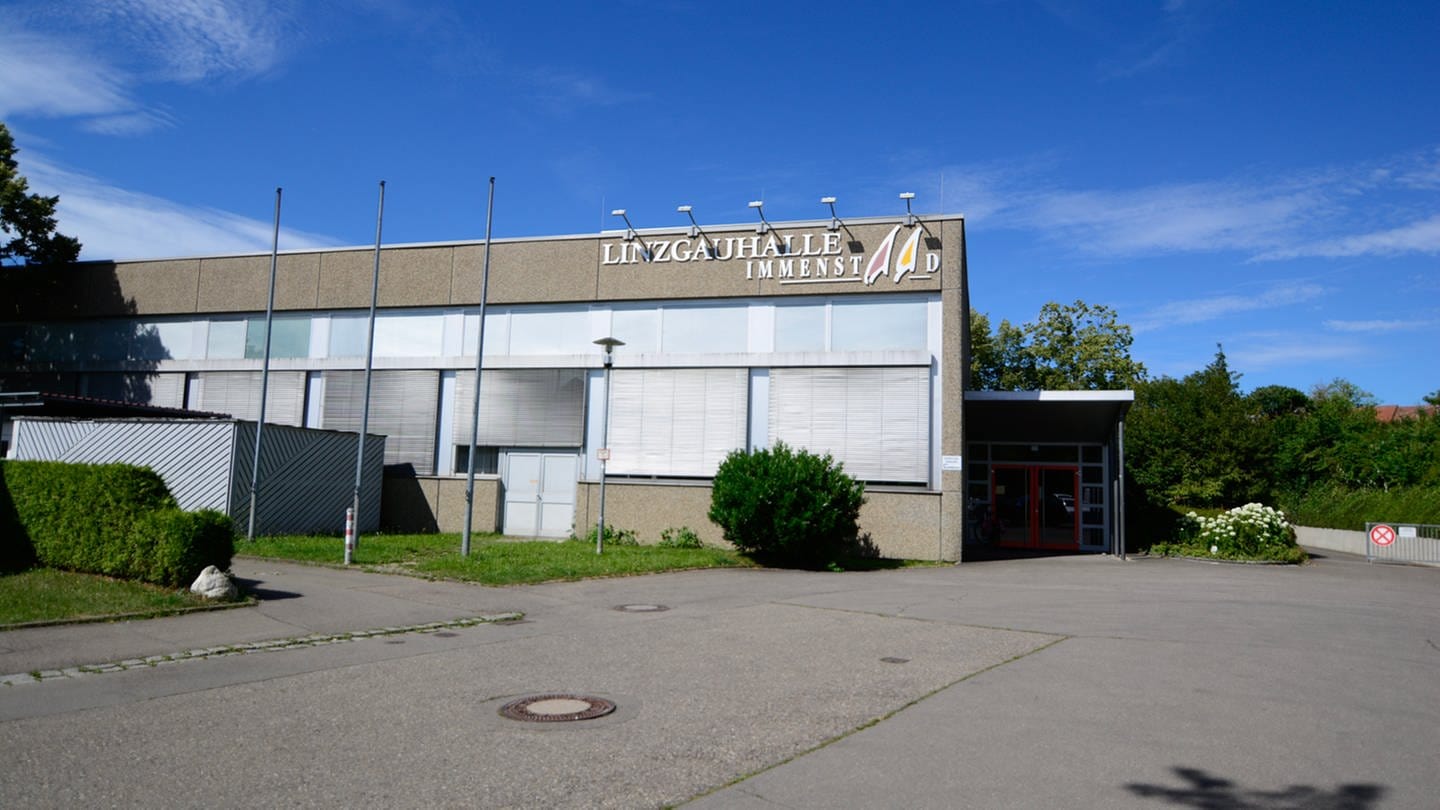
983,552
252,587
1210,792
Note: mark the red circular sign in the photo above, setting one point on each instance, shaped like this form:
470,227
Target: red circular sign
1382,535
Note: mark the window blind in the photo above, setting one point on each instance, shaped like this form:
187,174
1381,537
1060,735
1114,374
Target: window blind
680,422
542,407
238,394
874,420
402,408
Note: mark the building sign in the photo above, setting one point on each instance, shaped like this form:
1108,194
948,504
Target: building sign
807,258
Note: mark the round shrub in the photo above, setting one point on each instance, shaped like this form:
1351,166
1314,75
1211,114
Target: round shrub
787,507
1250,532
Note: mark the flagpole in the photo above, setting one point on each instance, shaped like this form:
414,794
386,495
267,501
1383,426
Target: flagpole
369,360
264,370
479,359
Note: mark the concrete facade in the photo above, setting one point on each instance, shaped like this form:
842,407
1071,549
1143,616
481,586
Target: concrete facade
747,273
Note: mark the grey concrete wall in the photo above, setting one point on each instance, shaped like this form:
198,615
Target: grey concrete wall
902,525
1350,542
437,504
521,271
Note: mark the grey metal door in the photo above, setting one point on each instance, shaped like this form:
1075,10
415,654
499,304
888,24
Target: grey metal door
540,494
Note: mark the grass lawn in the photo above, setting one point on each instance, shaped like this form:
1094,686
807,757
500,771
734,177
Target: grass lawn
44,594
493,559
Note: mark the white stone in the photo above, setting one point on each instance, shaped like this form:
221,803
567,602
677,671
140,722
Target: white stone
215,584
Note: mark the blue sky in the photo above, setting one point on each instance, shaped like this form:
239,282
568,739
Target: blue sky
1262,175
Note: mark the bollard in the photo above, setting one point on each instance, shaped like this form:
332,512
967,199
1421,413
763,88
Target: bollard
349,536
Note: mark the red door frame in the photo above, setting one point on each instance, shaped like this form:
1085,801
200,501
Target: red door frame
1033,504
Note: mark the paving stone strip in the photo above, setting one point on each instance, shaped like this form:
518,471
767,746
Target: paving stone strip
272,645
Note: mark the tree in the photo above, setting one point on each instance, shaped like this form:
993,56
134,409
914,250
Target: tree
1194,442
1068,347
27,221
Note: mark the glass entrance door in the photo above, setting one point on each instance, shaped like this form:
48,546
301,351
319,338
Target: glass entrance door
1035,506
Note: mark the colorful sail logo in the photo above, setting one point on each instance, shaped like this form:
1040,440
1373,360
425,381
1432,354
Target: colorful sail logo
880,263
909,253
905,261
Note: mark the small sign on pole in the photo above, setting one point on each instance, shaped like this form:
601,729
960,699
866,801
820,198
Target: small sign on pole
603,454
1382,535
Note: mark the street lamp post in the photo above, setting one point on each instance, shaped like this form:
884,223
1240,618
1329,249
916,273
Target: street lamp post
609,344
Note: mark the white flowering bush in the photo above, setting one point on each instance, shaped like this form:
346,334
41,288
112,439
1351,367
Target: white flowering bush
1252,531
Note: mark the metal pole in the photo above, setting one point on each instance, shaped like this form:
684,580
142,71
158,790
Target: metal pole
604,456
264,370
1120,505
369,355
479,359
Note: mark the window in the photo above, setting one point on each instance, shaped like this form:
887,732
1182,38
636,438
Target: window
675,422
874,420
703,330
289,337
237,393
522,407
873,325
800,327
402,408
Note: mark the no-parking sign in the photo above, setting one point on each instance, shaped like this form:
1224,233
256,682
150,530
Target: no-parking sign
1382,535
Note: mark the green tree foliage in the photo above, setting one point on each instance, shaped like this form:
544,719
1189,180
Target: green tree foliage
788,507
1071,347
27,221
1193,441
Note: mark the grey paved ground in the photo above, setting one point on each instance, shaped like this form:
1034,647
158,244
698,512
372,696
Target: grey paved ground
1060,682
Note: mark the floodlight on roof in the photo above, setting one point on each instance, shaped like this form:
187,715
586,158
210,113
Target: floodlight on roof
759,206
695,229
630,234
834,218
910,219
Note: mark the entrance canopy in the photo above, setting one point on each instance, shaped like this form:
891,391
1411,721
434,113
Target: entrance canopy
1084,417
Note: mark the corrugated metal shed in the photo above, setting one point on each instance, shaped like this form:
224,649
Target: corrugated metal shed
307,476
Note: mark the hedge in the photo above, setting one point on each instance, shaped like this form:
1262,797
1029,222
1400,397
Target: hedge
112,519
1338,507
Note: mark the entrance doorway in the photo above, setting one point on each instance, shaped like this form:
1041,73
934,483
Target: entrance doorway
540,494
1035,505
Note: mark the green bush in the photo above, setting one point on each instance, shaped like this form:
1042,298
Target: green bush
1339,507
171,547
112,519
683,537
1249,532
787,507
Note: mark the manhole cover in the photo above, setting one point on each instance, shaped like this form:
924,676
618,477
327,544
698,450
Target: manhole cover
643,608
556,708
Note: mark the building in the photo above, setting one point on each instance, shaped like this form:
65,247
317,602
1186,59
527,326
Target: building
841,337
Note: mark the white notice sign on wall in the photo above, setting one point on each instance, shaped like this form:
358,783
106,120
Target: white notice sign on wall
951,463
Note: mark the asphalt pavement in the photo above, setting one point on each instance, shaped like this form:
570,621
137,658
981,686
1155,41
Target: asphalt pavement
1050,682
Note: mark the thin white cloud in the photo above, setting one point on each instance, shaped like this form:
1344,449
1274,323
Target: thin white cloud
1200,310
561,91
1415,237
1383,325
48,76
1389,205
92,59
113,223
1290,351
195,40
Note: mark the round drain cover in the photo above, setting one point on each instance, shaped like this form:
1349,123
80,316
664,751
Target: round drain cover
556,708
642,608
